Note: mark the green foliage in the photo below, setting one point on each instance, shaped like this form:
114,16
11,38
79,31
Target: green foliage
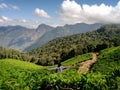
77,59
13,54
11,63
19,75
107,60
72,80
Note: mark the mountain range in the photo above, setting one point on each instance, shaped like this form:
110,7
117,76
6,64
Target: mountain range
23,39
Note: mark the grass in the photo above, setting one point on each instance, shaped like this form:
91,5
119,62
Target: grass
19,75
12,63
108,60
77,59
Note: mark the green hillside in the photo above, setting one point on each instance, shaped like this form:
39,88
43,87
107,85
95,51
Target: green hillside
61,49
108,60
20,75
17,64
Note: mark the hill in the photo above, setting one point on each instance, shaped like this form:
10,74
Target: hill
108,60
61,49
63,31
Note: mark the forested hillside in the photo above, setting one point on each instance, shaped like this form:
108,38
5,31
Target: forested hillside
61,49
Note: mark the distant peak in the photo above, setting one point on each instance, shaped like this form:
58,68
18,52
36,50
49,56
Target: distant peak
44,27
41,25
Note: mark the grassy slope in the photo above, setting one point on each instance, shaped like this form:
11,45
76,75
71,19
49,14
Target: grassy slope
77,59
17,64
18,75
108,60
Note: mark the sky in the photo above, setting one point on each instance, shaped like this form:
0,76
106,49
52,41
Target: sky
31,13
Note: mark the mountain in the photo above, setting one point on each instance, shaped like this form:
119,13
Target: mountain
61,49
63,31
44,27
19,37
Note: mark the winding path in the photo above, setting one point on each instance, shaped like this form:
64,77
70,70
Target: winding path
85,66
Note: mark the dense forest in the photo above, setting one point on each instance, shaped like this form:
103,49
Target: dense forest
61,49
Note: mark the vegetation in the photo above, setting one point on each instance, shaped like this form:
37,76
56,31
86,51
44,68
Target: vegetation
77,59
61,49
13,54
108,60
17,75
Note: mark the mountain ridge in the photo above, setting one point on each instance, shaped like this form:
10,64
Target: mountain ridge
62,31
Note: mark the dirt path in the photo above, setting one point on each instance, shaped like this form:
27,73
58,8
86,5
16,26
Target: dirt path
85,66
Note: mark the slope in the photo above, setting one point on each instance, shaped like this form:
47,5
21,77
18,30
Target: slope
18,75
108,60
10,64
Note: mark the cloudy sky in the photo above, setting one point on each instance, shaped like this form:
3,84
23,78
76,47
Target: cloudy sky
31,13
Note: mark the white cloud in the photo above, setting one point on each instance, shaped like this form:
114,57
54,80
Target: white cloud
41,13
8,6
3,5
24,20
72,12
4,19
